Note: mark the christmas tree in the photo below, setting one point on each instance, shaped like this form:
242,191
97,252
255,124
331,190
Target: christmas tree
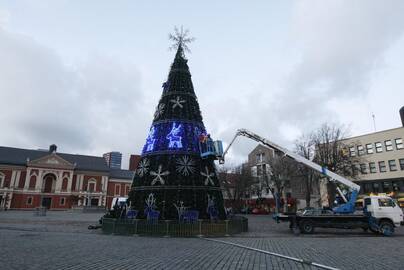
172,175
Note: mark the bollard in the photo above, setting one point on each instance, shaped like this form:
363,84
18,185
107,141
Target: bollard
227,227
136,220
167,228
200,228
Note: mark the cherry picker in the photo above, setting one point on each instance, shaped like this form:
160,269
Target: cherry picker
381,214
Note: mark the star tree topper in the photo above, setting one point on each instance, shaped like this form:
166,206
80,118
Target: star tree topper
180,38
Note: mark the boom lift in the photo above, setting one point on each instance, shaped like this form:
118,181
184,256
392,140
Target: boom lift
381,213
347,207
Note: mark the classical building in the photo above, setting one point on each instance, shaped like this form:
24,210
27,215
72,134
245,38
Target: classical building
33,178
380,165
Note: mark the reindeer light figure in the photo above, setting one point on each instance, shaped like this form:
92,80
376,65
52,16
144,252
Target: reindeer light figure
174,136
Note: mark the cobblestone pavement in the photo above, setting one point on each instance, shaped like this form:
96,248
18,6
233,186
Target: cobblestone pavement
61,240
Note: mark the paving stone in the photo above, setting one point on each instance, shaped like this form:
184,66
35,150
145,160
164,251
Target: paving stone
61,240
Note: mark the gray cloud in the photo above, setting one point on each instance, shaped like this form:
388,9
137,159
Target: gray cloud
94,107
340,45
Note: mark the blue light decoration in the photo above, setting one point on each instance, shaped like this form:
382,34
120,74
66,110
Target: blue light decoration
174,136
150,139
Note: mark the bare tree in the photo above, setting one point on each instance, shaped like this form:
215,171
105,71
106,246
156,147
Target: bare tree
305,146
331,152
282,171
236,185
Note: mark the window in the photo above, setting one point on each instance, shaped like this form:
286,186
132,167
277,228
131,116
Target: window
375,187
62,201
363,169
367,187
392,165
29,201
386,187
64,184
361,150
254,171
117,189
396,186
91,185
379,147
389,145
386,202
399,144
260,157
352,151
355,169
382,166
369,148
401,160
32,182
372,167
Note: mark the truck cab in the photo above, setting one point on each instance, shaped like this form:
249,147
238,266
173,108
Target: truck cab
383,208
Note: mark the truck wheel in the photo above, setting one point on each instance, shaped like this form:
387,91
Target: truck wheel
386,228
307,227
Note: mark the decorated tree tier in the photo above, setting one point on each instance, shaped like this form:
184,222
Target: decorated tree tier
172,178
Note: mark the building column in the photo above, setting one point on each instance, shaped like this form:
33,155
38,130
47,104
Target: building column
17,179
27,178
12,180
39,181
80,181
69,182
58,184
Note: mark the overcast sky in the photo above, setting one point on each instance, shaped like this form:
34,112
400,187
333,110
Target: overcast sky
87,75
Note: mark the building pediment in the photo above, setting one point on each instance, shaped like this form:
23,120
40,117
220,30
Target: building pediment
51,161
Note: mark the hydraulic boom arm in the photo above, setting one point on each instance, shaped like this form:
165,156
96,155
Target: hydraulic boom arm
324,171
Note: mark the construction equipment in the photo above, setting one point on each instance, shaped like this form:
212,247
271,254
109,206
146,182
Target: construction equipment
381,213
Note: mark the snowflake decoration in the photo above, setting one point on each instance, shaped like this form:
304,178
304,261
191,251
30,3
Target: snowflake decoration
180,38
208,176
177,102
159,175
143,167
185,165
159,110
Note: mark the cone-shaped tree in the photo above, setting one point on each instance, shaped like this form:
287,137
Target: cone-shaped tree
171,167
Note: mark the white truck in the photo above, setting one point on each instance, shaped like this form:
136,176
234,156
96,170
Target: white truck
381,214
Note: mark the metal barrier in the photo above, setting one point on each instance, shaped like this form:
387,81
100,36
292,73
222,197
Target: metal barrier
201,228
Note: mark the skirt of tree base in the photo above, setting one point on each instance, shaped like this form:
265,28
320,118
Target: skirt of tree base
166,199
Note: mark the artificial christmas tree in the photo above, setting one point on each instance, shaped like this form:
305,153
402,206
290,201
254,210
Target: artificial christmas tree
172,177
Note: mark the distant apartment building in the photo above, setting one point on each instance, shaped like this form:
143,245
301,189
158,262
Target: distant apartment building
113,159
380,155
294,189
258,161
